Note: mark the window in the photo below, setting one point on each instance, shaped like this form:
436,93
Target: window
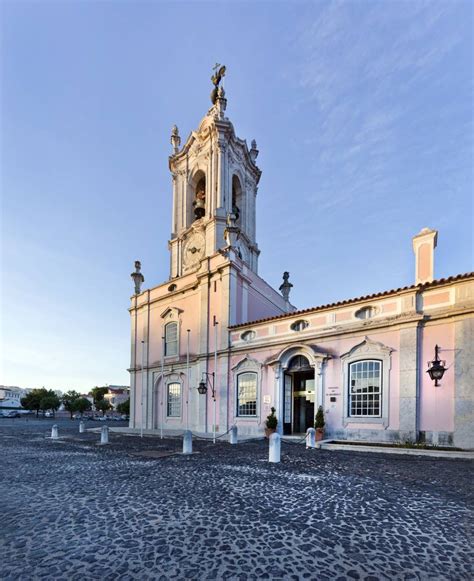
365,313
171,339
299,325
247,394
248,336
365,389
172,288
174,400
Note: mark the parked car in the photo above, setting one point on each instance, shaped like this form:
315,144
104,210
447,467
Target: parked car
11,414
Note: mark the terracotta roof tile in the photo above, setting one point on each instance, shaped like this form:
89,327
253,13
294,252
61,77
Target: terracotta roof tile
436,282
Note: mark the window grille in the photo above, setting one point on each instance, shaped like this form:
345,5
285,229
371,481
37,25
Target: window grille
171,339
174,400
365,389
247,394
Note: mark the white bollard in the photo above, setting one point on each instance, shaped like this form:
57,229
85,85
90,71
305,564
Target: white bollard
187,442
54,432
275,448
233,437
310,438
82,427
104,435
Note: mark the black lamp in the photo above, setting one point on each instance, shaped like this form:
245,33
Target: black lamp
202,387
436,368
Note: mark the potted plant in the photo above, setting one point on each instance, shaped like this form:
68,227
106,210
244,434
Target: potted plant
271,423
319,424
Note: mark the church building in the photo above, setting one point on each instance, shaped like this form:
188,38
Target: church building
217,346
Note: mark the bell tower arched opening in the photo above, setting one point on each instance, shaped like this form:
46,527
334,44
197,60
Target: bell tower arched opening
237,199
197,197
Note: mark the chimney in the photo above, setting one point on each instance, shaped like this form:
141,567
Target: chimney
424,244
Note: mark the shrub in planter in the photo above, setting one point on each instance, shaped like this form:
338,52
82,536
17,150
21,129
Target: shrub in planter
271,423
319,424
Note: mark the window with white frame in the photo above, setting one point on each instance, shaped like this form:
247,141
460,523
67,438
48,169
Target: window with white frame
174,400
365,389
171,339
247,394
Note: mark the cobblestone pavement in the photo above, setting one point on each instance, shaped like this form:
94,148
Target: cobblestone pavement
75,510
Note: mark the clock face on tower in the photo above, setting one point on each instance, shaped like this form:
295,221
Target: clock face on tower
193,250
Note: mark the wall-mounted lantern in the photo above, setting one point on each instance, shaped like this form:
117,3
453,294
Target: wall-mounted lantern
436,368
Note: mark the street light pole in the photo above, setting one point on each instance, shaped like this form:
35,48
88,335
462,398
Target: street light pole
143,385
215,379
162,384
187,375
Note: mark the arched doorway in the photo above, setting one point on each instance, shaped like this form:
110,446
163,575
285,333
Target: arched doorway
298,396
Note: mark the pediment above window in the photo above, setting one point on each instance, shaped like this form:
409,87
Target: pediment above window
172,313
368,346
247,364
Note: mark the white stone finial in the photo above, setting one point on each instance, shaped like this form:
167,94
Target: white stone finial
253,151
424,244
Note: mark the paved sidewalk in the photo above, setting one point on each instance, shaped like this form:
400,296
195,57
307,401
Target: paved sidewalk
76,510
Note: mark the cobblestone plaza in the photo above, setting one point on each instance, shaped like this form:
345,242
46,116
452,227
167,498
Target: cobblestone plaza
72,509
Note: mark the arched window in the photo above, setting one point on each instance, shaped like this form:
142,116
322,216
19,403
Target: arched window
247,394
365,389
171,339
173,400
299,363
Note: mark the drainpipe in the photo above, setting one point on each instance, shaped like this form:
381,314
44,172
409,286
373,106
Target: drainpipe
208,314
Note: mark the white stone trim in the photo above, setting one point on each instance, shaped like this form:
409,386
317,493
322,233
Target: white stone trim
247,365
368,349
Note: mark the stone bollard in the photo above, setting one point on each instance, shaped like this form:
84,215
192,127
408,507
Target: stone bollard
233,435
310,438
54,432
104,435
187,442
82,427
275,448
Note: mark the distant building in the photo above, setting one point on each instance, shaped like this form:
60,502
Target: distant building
10,396
117,394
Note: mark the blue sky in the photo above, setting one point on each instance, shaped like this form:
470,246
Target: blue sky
362,112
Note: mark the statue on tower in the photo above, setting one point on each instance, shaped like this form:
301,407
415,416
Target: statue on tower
286,286
138,277
216,79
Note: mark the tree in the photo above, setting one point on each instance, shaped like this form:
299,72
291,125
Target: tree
69,400
82,404
319,421
50,401
32,400
272,420
124,407
98,393
102,406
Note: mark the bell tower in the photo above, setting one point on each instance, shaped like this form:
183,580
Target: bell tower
215,181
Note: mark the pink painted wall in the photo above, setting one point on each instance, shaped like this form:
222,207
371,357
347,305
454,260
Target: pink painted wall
333,377
437,403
